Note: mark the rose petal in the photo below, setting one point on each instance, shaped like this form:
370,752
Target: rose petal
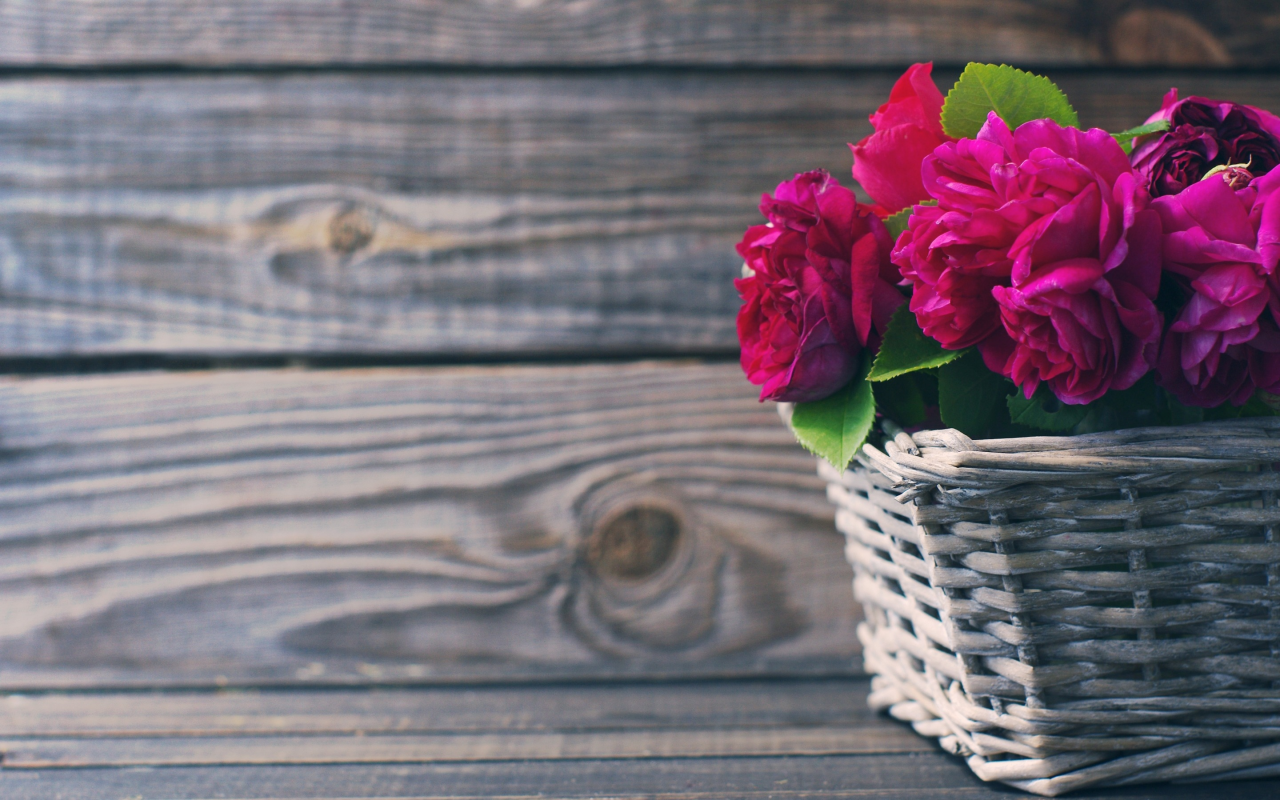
887,164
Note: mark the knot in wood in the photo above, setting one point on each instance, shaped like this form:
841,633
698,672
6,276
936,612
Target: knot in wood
633,544
350,230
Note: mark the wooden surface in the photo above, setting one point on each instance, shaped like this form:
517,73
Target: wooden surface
723,739
611,32
410,524
434,581
463,215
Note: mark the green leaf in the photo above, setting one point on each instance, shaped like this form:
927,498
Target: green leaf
835,428
1125,138
1044,410
1135,407
1255,406
906,349
897,223
901,400
971,398
1259,406
1271,401
1014,95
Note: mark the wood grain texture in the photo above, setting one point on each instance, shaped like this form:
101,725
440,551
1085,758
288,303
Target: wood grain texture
610,32
665,740
360,747
580,707
463,215
367,213
410,525
907,776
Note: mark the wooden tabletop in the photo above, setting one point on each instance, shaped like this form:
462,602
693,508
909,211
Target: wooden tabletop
371,422
698,739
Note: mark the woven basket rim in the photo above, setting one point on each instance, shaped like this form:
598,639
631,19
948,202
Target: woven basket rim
948,459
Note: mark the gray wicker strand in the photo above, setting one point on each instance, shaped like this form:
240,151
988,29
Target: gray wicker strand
1075,611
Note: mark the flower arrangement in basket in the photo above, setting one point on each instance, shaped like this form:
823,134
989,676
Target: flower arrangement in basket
1043,371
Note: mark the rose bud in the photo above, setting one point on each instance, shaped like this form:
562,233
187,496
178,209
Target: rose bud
1204,134
907,128
1043,253
1222,246
1237,176
820,288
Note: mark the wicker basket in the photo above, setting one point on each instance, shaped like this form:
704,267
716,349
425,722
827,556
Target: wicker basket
1078,611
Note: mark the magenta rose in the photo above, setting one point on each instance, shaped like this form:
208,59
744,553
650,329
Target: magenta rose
1222,247
1043,253
1204,134
907,128
821,288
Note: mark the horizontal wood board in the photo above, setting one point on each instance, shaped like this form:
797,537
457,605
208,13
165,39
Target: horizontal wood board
359,747
786,739
79,33
907,776
578,707
409,525
459,215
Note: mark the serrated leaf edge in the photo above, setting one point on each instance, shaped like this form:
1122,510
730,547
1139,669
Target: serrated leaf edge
947,357
971,64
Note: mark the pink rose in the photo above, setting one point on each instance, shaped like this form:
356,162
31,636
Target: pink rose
1204,134
953,267
1222,246
821,288
908,128
1043,253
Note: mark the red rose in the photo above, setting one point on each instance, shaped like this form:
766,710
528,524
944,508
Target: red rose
1043,253
908,127
821,289
1221,246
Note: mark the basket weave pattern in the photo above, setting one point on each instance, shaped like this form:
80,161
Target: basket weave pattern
1075,611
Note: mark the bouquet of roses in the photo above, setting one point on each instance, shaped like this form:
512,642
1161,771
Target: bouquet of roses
1018,274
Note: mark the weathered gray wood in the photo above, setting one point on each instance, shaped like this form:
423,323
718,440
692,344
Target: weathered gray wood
358,213
810,32
896,776
577,134
448,214
410,525
660,739
264,271
355,748
569,707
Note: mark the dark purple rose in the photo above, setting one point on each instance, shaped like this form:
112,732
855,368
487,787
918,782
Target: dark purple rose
1222,246
1204,134
821,288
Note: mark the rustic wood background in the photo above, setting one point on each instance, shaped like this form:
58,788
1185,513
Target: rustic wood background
330,326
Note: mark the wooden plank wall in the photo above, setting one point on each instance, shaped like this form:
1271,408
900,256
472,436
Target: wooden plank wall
512,208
